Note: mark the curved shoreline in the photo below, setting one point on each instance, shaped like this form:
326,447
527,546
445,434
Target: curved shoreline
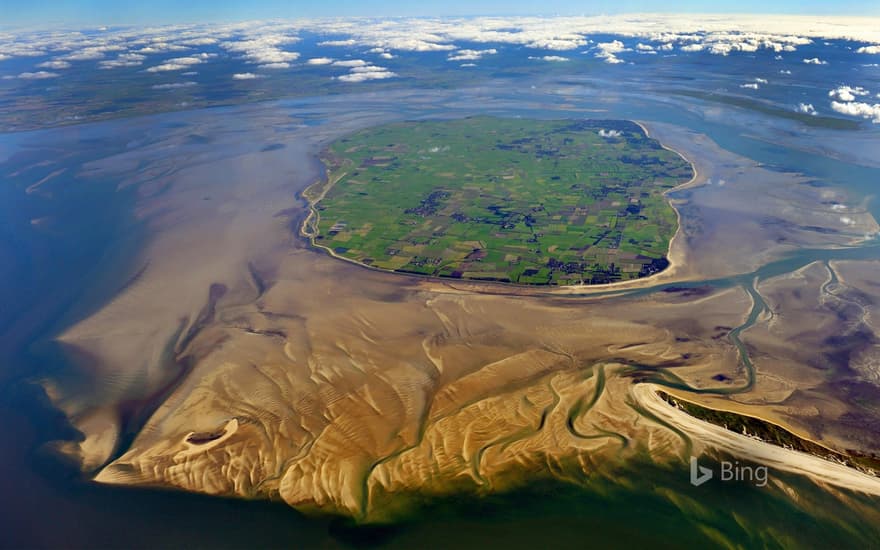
308,229
756,450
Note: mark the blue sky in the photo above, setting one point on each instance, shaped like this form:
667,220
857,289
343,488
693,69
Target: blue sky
88,12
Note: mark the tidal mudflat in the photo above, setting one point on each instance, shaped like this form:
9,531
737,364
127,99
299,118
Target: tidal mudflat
235,360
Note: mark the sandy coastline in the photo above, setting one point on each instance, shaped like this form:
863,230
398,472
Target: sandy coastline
766,454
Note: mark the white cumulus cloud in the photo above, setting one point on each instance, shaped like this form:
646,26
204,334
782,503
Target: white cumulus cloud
39,75
607,51
264,49
848,93
859,109
56,64
180,63
123,60
361,74
341,43
471,55
549,58
806,108
350,63
610,133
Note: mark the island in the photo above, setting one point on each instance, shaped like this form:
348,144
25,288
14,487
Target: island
527,201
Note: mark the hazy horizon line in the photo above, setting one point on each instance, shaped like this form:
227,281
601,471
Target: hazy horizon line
97,25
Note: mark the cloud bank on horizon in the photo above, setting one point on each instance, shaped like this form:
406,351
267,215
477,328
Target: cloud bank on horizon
270,47
262,41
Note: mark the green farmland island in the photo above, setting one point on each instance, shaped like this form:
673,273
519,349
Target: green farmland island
523,201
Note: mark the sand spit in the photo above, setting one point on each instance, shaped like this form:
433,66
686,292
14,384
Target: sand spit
765,454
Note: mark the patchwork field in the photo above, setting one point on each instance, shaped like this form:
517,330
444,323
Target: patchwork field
525,201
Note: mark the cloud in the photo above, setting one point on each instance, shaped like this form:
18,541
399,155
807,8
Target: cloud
92,53
245,76
417,45
275,66
339,43
123,60
261,43
848,93
806,108
716,34
382,53
350,63
784,71
180,63
549,58
173,85
364,73
761,80
471,55
615,46
205,41
56,64
160,47
361,77
607,51
859,109
39,75
11,50
815,61
418,35
264,49
320,61
165,67
718,39
750,85
610,133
